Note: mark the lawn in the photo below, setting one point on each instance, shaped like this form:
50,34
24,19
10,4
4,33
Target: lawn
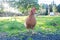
45,24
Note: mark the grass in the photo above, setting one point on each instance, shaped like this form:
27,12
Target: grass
45,24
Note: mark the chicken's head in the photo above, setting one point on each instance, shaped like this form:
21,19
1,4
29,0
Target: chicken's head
33,10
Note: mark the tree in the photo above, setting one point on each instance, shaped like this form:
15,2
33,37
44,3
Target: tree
58,8
43,9
23,5
54,8
51,7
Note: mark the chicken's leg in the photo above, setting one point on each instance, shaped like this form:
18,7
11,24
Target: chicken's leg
33,32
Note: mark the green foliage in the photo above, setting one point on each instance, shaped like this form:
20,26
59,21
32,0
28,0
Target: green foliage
54,8
30,38
23,5
51,10
48,24
1,10
43,9
58,8
11,27
44,24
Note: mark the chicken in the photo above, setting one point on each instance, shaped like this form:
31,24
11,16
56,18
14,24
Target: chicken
30,21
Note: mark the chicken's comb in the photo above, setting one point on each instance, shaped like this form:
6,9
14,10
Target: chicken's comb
33,9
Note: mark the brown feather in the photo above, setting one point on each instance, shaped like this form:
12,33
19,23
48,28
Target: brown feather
30,21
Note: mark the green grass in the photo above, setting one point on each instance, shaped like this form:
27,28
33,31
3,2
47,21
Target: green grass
45,24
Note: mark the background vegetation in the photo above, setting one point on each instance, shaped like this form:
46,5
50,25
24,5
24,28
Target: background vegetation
24,6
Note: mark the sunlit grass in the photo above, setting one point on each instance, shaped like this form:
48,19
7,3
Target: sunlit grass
15,25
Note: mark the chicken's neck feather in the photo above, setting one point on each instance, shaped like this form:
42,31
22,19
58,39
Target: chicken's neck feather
31,15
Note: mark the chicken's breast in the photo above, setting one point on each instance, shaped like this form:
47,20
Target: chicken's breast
30,22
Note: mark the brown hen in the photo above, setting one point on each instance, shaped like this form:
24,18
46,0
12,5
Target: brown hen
31,20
